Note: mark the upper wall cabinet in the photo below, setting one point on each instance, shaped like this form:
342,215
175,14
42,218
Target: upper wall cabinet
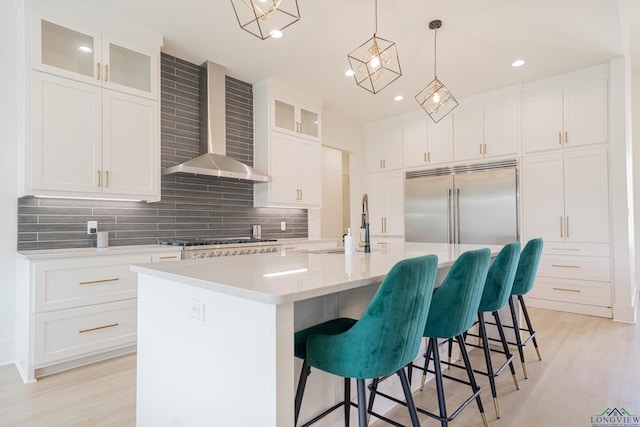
82,50
383,146
427,143
295,118
566,115
487,128
287,146
93,128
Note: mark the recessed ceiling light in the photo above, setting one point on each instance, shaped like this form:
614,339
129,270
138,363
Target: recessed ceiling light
398,98
85,49
517,63
276,34
349,73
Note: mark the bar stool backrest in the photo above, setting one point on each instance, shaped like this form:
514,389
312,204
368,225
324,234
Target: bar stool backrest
455,303
527,267
499,284
387,336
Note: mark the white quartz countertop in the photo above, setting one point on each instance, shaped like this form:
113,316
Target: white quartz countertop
293,276
82,252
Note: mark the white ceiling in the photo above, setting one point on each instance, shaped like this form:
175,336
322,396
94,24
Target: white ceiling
476,45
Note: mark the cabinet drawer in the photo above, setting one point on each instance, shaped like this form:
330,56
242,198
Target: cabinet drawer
573,291
170,256
74,283
572,249
76,332
585,268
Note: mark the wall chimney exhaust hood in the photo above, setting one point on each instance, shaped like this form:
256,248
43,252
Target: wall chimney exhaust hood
213,144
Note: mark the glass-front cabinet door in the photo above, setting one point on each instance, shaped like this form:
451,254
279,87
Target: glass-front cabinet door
292,118
83,51
129,67
66,48
309,122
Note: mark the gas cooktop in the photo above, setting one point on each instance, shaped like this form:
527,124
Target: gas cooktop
208,242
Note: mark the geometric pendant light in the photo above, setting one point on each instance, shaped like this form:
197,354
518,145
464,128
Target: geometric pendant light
375,63
266,18
435,98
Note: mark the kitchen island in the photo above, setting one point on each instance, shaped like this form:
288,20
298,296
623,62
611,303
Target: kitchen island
215,336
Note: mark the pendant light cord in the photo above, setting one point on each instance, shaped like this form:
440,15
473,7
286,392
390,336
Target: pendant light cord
435,53
376,17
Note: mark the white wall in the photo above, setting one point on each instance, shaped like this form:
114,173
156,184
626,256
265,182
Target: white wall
331,212
635,126
10,104
346,135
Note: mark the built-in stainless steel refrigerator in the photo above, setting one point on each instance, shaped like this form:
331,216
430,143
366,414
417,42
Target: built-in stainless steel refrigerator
475,204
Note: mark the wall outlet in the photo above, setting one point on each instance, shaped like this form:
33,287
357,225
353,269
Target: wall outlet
283,226
196,308
92,227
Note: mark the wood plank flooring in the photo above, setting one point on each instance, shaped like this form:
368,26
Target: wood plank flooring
588,364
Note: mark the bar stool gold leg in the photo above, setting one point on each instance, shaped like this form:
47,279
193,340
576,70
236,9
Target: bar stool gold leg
495,405
515,381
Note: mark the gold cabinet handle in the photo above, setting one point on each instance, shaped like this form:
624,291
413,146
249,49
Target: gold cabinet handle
384,164
567,290
425,157
112,325
565,266
106,73
289,248
93,282
485,149
99,68
429,155
99,178
301,194
169,257
560,138
380,163
106,178
480,148
561,227
566,137
566,228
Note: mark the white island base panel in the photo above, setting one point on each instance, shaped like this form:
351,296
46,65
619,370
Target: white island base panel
232,369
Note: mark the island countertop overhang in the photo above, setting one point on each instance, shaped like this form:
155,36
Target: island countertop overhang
294,276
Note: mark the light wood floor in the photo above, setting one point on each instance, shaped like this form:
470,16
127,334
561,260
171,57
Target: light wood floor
588,364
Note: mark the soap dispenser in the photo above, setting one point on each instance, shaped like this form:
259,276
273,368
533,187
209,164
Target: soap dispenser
348,243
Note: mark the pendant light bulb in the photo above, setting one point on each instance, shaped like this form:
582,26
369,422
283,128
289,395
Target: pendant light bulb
436,97
375,62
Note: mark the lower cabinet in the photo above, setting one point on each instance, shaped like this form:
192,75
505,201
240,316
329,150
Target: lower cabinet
76,310
385,192
575,278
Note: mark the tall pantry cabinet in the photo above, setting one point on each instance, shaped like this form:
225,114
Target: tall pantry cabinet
93,128
565,192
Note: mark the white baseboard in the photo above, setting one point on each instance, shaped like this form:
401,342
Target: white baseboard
625,313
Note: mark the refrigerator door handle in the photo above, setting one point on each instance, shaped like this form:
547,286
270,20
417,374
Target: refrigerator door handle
457,216
449,216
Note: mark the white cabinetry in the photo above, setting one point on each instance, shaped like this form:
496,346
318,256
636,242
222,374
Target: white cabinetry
386,203
487,128
565,200
427,143
75,310
566,197
295,170
287,145
93,130
383,146
566,115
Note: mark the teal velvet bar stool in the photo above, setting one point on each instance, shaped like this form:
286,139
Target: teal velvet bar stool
523,283
454,308
497,291
382,342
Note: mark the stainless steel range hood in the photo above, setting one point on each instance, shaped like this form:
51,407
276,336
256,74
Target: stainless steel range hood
214,161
